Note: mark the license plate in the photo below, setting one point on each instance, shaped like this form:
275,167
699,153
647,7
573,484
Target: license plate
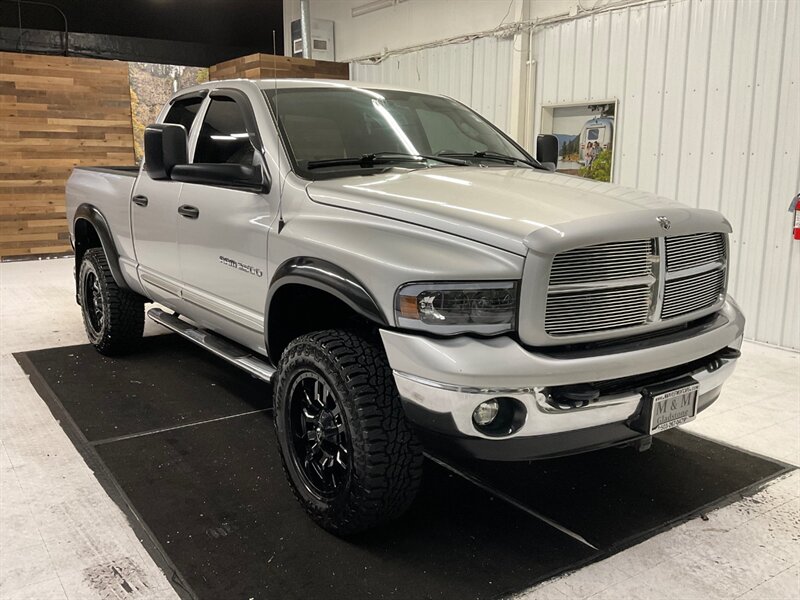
673,408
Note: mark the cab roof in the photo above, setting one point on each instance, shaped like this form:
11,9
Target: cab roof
282,84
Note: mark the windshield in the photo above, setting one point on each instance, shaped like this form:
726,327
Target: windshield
321,124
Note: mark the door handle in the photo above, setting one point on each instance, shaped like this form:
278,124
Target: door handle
190,212
140,200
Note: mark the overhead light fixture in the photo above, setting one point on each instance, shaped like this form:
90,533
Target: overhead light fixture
372,7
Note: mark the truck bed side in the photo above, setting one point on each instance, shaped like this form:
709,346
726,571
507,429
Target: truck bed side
107,191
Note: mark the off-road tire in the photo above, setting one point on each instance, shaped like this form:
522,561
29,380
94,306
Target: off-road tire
386,460
122,325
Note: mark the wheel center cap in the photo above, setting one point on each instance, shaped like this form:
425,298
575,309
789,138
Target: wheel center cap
326,427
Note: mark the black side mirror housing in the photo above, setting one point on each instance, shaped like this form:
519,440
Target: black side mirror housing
547,151
232,175
164,149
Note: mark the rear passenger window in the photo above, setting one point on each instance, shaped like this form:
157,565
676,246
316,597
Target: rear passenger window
183,112
223,135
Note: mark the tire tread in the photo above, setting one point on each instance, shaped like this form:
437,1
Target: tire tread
124,310
387,456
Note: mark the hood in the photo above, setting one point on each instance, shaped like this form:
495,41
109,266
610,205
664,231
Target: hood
497,206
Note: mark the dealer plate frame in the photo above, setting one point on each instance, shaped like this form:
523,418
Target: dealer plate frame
653,395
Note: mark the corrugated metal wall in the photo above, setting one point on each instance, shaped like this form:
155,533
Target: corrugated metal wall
477,73
709,114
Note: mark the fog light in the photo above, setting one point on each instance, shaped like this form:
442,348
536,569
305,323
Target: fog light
499,417
486,412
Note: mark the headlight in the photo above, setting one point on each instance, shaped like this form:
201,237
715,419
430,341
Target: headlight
450,308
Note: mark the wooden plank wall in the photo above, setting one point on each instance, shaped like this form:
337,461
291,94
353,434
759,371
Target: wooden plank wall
55,113
59,112
266,66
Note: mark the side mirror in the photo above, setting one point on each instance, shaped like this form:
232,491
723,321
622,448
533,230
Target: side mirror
164,148
231,175
547,151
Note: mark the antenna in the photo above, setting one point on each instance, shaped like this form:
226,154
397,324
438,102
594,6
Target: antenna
278,131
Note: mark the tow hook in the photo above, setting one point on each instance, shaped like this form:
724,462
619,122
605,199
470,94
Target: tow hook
720,357
729,353
575,396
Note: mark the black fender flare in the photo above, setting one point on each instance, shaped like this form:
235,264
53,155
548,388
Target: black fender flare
325,276
91,214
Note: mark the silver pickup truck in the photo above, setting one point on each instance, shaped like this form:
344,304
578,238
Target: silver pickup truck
406,276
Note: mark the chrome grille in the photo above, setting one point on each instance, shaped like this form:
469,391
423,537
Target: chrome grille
689,251
692,293
603,262
618,285
579,300
579,312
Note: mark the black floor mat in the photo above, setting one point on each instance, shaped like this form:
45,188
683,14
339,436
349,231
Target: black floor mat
185,442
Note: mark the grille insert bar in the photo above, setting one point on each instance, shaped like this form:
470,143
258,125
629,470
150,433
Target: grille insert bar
688,251
696,292
578,312
603,262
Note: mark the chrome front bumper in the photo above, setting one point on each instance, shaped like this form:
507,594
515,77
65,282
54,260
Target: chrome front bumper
445,379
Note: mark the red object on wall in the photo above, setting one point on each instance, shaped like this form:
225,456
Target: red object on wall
797,217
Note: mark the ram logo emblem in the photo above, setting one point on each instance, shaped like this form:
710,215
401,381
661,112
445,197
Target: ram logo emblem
664,222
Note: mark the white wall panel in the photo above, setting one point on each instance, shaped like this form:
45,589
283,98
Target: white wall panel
785,180
708,115
695,101
631,129
551,55
601,45
754,249
652,97
584,37
676,56
717,105
566,57
477,73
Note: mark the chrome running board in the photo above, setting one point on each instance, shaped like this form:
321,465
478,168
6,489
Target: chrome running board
236,355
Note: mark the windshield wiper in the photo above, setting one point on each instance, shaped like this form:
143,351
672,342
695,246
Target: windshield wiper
491,155
381,158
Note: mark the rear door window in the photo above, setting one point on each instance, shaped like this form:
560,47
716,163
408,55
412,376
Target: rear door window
223,135
183,112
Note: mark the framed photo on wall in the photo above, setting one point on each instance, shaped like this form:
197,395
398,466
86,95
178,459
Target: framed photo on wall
585,135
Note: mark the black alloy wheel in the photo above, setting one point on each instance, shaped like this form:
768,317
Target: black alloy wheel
320,447
93,303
